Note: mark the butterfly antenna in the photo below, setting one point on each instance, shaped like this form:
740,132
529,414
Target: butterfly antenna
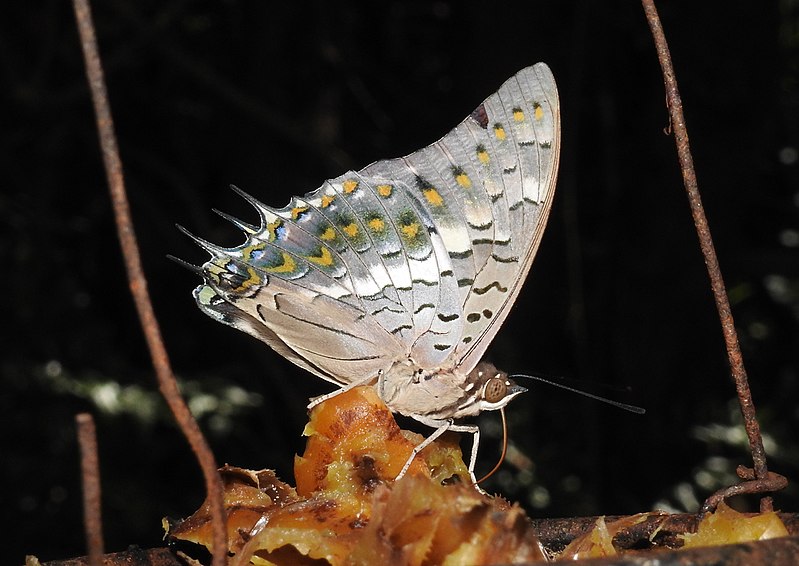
632,408
504,447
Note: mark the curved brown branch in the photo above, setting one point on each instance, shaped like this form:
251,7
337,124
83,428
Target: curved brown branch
706,244
138,284
772,482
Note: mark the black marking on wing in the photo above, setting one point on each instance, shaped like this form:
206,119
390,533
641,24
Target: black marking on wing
260,314
465,282
429,253
492,242
448,317
424,306
504,259
387,308
509,170
457,170
461,255
480,116
377,296
473,316
487,288
423,184
527,143
423,282
442,347
481,227
401,328
447,273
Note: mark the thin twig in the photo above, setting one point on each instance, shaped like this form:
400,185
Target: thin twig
138,284
90,479
706,244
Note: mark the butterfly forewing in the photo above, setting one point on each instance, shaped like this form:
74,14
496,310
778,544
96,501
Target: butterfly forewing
524,132
417,258
488,187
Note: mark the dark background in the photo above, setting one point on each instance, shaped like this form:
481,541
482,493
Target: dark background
275,98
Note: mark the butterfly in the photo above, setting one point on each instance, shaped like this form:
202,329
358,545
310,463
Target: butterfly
399,275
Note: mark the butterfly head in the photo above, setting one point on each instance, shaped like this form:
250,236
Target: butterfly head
493,389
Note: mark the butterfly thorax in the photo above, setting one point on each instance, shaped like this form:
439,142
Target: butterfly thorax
445,393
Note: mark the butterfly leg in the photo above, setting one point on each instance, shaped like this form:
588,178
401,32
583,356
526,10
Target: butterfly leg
442,428
475,431
322,398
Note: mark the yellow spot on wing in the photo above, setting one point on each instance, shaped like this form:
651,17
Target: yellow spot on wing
324,258
411,230
328,234
499,131
384,190
433,196
327,200
349,186
288,265
483,157
518,115
377,224
253,279
351,230
272,228
247,252
539,112
464,180
297,211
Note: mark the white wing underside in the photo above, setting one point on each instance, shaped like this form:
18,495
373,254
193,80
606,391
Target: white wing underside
415,258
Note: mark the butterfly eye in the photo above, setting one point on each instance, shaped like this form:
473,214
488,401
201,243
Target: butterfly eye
495,390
